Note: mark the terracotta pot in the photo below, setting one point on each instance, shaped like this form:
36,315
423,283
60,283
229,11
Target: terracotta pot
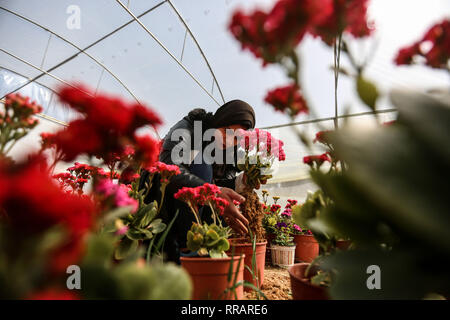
343,244
302,288
242,247
210,277
283,256
307,248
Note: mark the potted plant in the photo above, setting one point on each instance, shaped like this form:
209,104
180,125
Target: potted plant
209,266
257,152
282,246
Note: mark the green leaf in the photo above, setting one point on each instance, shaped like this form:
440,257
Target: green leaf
367,91
149,215
117,213
154,282
139,234
125,248
157,226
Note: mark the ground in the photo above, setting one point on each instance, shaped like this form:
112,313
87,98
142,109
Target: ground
277,285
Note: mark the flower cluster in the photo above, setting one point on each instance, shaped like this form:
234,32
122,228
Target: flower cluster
287,99
315,161
116,193
291,203
256,154
107,129
79,174
275,208
16,119
32,202
274,34
166,171
344,16
434,48
207,194
278,221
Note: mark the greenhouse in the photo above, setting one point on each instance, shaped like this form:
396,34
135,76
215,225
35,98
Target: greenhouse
224,150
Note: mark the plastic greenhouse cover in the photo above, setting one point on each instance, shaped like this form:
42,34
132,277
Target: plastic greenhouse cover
112,53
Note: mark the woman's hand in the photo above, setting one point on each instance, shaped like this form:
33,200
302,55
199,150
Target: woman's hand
231,215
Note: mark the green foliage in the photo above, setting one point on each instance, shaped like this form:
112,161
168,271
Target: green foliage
367,91
142,225
283,237
209,240
393,203
102,279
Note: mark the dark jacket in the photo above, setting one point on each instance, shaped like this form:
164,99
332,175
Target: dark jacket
223,175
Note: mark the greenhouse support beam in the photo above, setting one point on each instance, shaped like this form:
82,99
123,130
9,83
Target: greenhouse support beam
198,46
167,51
330,118
82,50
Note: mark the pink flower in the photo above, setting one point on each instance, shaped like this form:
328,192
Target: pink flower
118,192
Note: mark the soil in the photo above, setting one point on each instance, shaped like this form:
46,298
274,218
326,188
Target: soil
253,211
276,286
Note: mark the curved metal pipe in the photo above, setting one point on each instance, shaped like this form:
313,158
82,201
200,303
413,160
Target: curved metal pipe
198,46
167,50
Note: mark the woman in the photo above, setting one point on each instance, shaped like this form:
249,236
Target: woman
184,145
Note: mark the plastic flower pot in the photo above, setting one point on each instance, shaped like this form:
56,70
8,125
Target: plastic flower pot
210,277
241,246
302,288
307,248
283,256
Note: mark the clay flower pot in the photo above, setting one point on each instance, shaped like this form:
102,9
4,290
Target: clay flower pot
241,246
302,288
307,248
283,256
210,277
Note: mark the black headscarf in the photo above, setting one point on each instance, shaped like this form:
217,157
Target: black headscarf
232,113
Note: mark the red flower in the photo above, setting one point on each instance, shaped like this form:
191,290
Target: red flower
107,129
287,99
166,171
274,208
80,137
33,203
147,150
438,51
272,35
406,55
321,137
316,159
345,16
54,294
207,194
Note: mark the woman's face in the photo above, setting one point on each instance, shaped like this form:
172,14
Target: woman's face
225,141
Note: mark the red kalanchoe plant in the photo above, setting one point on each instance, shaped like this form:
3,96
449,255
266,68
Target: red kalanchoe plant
315,161
434,47
203,238
166,171
274,34
345,16
201,196
287,99
16,120
107,128
34,203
